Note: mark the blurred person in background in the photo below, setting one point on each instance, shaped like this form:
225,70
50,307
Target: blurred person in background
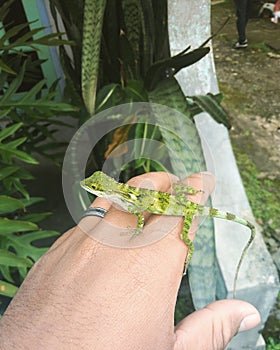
242,13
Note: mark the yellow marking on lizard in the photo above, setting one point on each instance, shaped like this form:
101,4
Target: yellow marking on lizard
138,200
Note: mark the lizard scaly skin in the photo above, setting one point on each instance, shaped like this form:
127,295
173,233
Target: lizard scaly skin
138,200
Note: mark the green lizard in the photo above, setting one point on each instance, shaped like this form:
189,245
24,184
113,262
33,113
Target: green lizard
138,200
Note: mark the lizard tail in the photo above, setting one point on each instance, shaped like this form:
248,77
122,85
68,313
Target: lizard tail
215,213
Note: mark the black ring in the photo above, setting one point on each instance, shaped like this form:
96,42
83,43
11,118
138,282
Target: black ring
95,211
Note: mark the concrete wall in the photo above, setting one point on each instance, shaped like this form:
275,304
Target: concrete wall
189,24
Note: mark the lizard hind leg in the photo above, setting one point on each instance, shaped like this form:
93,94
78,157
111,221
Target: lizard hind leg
188,242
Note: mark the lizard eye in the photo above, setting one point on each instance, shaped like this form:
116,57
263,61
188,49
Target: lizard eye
95,186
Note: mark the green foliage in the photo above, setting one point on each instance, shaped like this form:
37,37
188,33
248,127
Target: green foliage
34,116
272,344
17,231
26,122
262,193
19,44
34,109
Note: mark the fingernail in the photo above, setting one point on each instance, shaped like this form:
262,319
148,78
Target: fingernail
249,322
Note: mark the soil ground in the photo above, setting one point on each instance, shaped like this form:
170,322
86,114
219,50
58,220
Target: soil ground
249,81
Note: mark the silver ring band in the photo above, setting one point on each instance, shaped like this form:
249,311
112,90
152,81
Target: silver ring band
95,211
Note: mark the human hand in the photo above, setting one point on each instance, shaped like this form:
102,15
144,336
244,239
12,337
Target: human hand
83,294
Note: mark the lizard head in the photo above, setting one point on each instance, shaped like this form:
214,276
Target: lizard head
99,184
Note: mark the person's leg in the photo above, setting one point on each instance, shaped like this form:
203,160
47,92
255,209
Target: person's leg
248,9
242,13
276,16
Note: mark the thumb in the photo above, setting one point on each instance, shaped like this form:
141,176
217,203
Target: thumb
212,327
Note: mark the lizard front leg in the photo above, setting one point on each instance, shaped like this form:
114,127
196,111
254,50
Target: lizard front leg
140,220
182,189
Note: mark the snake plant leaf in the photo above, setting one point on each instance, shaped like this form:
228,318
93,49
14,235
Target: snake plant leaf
168,92
7,289
135,91
93,21
113,94
9,204
190,58
202,269
209,104
148,15
158,166
132,12
139,24
127,60
161,42
170,66
108,96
